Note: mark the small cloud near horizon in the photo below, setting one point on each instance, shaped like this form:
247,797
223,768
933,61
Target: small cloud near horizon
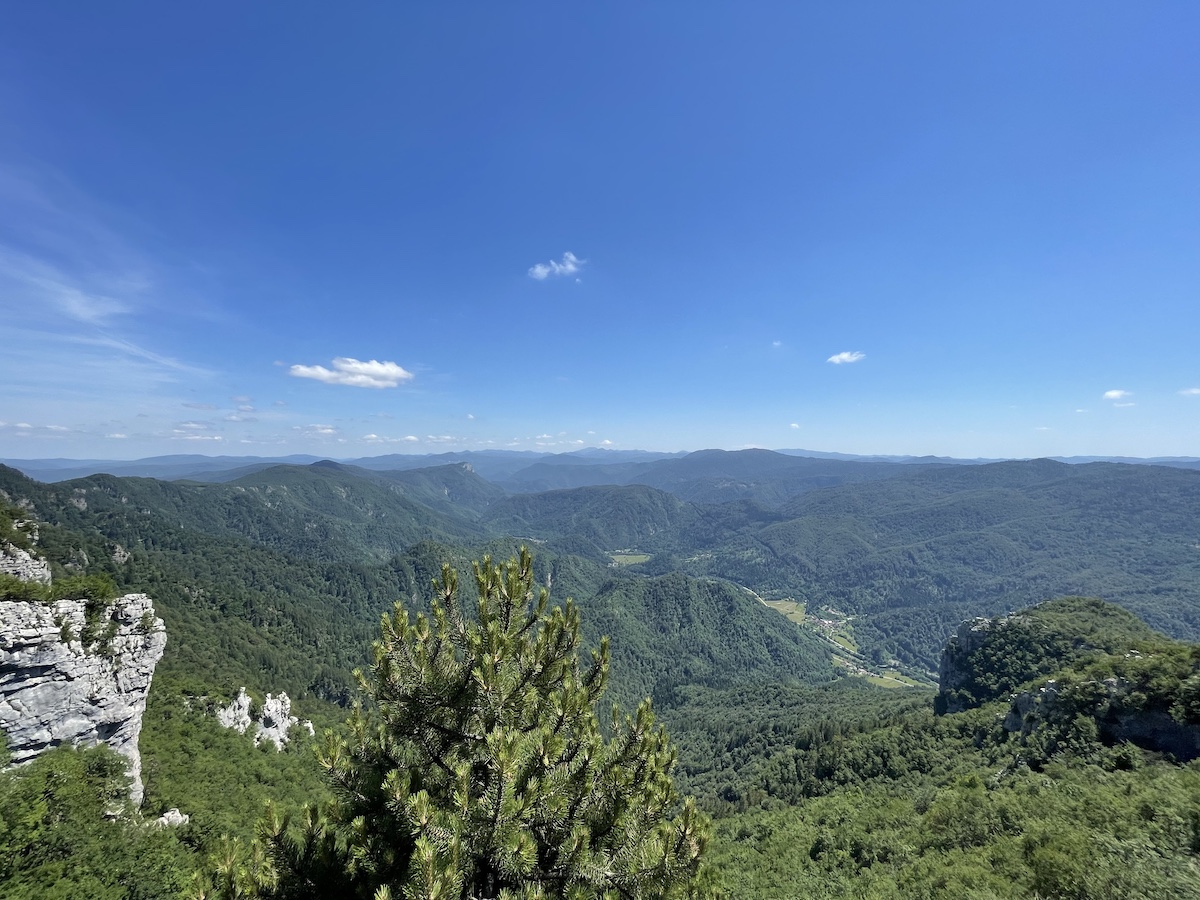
846,356
355,373
1117,395
569,265
316,429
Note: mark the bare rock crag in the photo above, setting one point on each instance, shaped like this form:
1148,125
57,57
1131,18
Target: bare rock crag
55,691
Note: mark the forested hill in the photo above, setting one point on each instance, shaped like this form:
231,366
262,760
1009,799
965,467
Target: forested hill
277,580
896,554
912,556
822,785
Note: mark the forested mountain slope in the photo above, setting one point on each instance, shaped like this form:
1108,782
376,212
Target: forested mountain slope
914,555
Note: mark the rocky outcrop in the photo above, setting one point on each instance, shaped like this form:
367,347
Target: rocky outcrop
55,691
1111,705
172,818
274,718
237,714
957,671
18,562
1029,708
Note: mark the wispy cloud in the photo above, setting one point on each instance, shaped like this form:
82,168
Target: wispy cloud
53,288
87,307
846,356
1191,392
1117,395
319,429
570,264
356,373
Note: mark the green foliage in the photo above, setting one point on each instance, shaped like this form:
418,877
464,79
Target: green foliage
479,770
66,832
1037,642
15,528
673,630
13,588
217,776
1075,831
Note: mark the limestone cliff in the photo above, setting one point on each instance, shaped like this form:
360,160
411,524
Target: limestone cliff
956,674
55,691
1117,706
21,564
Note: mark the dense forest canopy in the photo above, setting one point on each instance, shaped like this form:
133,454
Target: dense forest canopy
762,610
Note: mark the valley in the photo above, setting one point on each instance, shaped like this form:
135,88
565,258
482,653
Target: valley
786,616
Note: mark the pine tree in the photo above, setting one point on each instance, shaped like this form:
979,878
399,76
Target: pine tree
476,768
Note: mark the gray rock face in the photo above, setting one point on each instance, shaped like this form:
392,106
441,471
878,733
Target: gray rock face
237,714
55,692
1152,729
18,562
955,672
274,719
1028,708
172,818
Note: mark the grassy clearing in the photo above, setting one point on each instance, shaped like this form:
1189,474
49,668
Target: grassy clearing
790,608
629,559
894,681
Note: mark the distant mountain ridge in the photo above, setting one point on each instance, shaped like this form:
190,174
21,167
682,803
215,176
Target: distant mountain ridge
491,464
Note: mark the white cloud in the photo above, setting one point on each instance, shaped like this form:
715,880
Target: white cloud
470,415
846,356
411,438
356,373
316,430
794,425
1191,392
606,443
1117,395
569,265
1081,410
117,436
776,344
1120,405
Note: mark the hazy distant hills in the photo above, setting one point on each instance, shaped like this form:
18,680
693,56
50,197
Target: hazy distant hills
515,470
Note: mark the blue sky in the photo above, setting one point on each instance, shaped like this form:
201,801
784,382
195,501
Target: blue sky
950,228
